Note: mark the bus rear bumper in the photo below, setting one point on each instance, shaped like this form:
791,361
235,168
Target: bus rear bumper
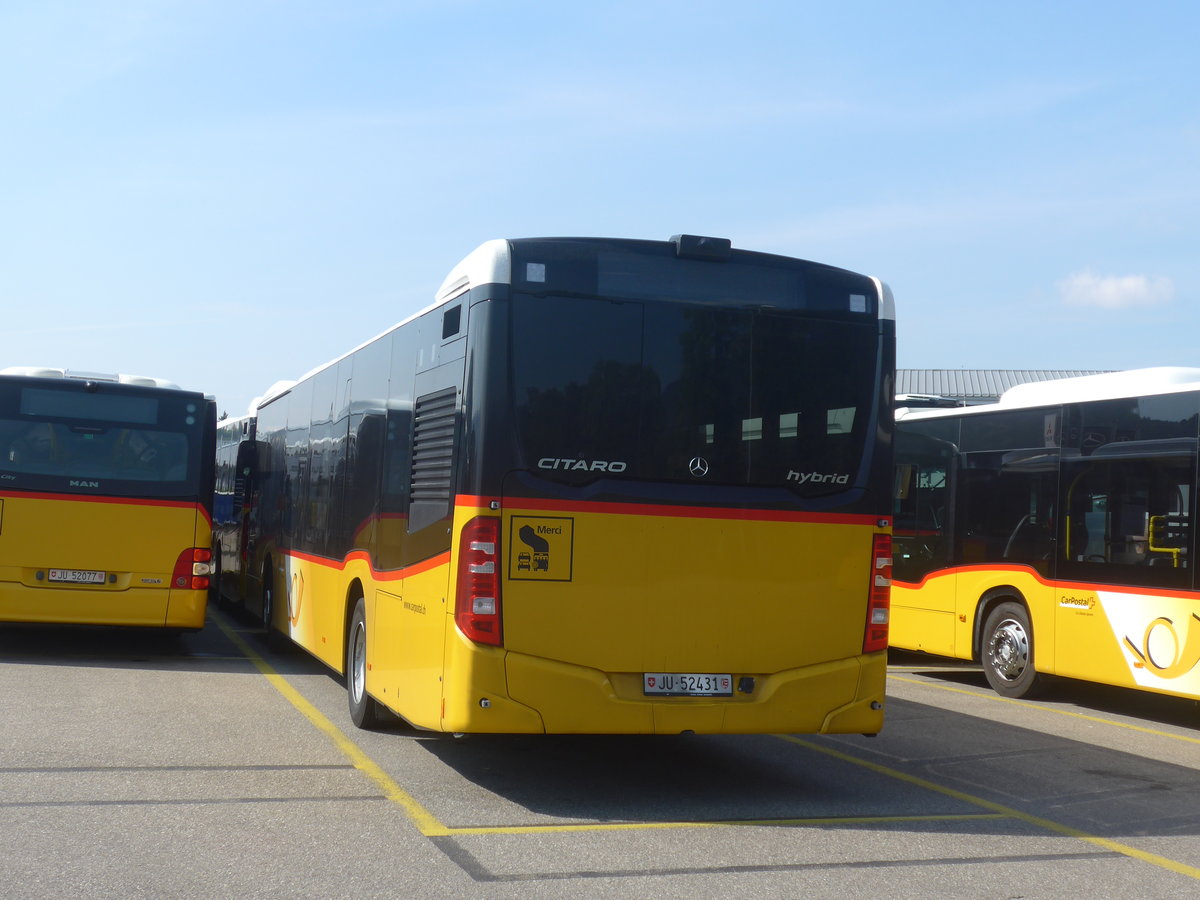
842,696
154,607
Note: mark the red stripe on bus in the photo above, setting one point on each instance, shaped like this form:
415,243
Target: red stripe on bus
442,559
1070,585
686,512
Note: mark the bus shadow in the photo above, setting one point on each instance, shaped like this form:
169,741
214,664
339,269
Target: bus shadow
864,783
112,646
1082,696
634,778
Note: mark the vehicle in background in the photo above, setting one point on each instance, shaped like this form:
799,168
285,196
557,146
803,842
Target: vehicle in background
1050,533
106,491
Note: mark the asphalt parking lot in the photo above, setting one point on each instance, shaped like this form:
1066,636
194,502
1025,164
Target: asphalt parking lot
140,765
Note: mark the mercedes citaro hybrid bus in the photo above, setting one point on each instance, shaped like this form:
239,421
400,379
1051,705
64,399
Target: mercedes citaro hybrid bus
1050,533
106,486
598,486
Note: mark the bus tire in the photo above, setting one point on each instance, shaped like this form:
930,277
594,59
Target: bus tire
272,638
1007,651
364,709
215,595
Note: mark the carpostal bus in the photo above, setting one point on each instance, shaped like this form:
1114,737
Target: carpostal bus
235,504
598,486
1050,533
106,486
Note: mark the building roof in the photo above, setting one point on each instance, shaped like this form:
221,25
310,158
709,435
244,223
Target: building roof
977,385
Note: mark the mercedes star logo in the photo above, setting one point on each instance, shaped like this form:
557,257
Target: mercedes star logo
698,466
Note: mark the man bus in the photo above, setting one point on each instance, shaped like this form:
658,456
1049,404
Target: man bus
106,486
598,486
1050,533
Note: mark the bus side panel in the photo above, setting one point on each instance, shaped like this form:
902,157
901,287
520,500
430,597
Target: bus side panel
406,642
135,546
923,616
1130,638
314,606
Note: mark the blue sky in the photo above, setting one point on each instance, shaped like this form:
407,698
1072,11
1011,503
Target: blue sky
227,194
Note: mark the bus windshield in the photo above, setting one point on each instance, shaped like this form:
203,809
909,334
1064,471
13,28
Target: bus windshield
691,392
66,439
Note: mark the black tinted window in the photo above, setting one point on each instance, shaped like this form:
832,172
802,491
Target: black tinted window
691,393
126,442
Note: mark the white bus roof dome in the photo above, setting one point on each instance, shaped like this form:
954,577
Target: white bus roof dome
78,375
1105,386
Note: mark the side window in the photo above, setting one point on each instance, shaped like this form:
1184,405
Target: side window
919,535
1128,521
1007,509
923,504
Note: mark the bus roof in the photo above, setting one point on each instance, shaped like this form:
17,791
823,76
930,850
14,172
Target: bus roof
491,262
1106,386
76,375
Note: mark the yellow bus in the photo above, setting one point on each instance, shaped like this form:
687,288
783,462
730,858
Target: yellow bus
598,486
105,499
1050,533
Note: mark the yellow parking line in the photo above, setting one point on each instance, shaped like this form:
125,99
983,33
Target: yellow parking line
991,695
1057,827
429,825
418,814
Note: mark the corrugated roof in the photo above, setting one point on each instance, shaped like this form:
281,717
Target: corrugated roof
976,384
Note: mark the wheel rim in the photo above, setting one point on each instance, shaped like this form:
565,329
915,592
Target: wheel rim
358,663
266,611
1008,650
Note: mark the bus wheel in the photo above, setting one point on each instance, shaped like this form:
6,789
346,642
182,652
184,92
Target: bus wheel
1008,651
215,596
364,710
272,638
267,603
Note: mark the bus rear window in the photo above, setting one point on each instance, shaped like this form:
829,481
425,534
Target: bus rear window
691,393
95,451
116,441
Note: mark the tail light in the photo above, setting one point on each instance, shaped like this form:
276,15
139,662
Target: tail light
477,603
879,600
192,569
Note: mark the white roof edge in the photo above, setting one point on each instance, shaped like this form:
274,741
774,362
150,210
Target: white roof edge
79,375
279,387
887,303
1104,386
489,263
